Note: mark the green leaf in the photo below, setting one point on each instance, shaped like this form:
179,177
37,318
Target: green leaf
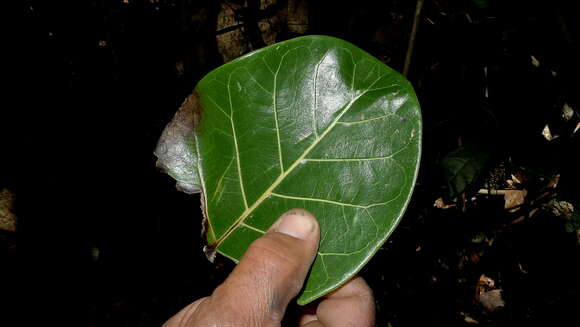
463,167
314,123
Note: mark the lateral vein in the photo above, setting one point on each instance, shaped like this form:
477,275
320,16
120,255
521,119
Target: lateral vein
236,144
298,161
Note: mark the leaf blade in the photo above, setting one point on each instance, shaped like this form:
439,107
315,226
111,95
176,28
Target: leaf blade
312,122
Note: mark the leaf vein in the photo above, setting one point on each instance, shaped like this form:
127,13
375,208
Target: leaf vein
390,156
221,179
328,201
275,110
267,65
253,228
218,106
256,81
367,120
315,87
298,161
236,144
204,206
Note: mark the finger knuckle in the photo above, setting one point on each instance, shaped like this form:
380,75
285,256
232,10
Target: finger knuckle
273,252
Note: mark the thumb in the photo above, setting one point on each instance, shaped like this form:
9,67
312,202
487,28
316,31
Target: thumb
273,269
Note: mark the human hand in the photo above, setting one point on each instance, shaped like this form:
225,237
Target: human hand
269,276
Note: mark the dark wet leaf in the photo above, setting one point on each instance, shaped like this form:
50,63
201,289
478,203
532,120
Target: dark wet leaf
463,167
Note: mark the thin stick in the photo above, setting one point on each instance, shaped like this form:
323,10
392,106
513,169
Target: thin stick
413,36
492,192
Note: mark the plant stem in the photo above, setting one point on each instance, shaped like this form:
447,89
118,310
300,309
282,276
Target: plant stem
416,20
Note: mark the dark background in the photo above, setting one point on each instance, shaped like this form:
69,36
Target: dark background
104,239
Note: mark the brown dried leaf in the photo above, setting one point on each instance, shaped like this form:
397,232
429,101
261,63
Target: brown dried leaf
561,208
173,155
492,300
233,43
484,284
554,181
514,199
439,203
519,177
470,320
298,16
548,134
7,216
535,61
290,16
567,112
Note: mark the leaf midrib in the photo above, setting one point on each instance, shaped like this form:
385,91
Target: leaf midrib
295,164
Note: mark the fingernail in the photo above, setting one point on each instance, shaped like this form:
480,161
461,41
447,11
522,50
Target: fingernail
296,223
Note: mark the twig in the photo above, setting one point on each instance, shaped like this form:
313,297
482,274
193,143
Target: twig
229,29
492,192
413,36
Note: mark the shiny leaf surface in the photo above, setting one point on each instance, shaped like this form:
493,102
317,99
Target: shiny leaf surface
315,123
